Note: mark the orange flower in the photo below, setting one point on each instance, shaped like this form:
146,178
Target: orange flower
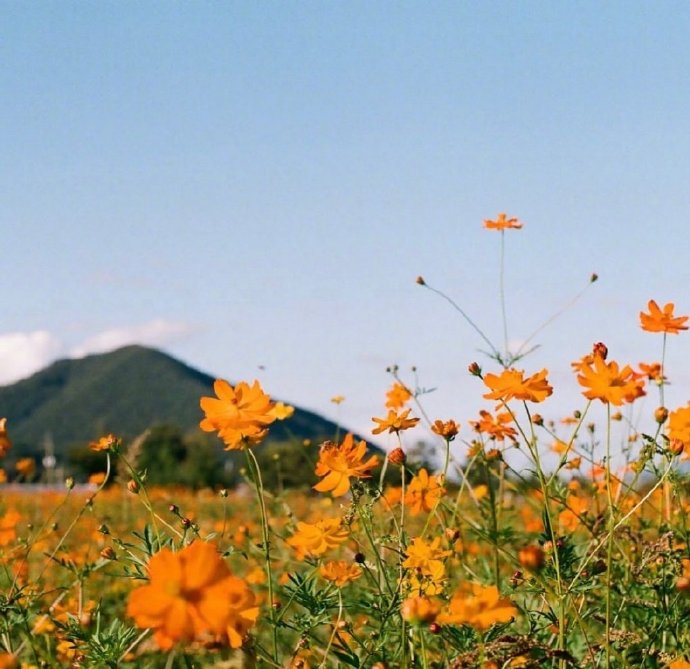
191,595
106,443
338,463
502,222
423,492
679,425
497,428
479,606
446,429
397,396
680,663
575,511
662,321
8,661
394,422
652,371
608,383
5,443
26,467
8,527
419,610
511,385
314,540
239,415
97,478
340,572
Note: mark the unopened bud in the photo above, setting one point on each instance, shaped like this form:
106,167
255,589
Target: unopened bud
133,486
537,419
397,456
420,281
676,446
600,349
660,415
69,483
108,553
474,369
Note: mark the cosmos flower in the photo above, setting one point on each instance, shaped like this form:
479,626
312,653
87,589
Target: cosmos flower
191,595
240,415
658,320
337,464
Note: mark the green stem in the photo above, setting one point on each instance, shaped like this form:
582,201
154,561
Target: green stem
258,483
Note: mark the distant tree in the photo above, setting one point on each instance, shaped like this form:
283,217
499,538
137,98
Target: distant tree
171,458
83,462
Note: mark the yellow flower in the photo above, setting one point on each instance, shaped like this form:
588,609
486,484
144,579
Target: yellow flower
397,396
423,492
426,556
283,411
394,422
240,415
338,463
340,572
312,540
191,595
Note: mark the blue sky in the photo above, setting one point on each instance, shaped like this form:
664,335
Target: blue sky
259,184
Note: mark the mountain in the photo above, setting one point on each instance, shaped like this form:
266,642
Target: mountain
124,392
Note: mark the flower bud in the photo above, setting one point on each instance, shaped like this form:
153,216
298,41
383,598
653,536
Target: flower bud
420,281
474,369
133,486
397,456
108,553
660,415
69,483
537,419
600,349
676,446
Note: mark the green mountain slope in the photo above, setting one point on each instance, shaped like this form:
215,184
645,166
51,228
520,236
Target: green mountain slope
124,392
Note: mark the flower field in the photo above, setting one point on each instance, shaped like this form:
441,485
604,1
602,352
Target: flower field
578,558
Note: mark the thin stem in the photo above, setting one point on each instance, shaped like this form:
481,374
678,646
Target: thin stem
503,295
609,550
258,483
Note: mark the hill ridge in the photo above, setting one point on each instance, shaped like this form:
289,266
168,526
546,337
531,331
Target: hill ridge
123,391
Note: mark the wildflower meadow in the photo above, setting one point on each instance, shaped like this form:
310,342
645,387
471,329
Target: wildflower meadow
574,554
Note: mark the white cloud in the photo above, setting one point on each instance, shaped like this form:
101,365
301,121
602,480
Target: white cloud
153,333
23,353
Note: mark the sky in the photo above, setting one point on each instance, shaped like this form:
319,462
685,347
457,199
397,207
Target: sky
254,187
